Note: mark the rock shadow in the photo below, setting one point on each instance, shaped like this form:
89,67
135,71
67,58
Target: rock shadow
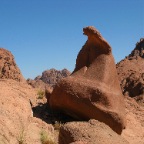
43,112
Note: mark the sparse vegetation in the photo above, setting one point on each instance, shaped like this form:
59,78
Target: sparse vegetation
21,137
41,94
46,138
57,125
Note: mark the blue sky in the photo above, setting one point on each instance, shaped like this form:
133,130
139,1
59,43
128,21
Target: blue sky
44,34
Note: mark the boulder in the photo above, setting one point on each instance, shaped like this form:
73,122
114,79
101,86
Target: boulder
92,91
92,132
8,67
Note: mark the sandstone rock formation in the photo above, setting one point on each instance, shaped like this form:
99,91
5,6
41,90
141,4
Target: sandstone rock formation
131,71
93,90
8,67
92,132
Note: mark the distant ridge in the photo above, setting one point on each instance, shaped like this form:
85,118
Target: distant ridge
48,78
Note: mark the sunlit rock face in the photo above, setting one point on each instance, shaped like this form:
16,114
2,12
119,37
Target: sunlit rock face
8,67
131,71
93,89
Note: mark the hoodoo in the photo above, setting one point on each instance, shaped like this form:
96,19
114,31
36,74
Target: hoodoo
92,91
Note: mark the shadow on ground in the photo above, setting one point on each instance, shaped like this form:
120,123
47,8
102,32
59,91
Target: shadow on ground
43,112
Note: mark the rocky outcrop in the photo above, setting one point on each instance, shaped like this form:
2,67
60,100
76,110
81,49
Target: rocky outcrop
131,71
92,132
8,67
93,90
17,124
131,75
52,76
138,50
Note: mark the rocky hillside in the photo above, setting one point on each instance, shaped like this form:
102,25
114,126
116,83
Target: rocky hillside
131,71
17,98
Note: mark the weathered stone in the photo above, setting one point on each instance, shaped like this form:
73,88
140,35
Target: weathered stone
8,67
92,132
93,89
